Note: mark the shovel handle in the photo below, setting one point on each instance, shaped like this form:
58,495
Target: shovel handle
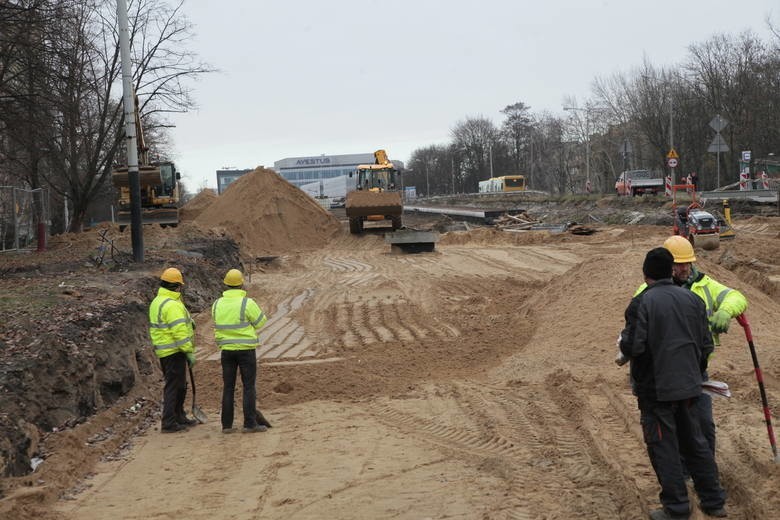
743,321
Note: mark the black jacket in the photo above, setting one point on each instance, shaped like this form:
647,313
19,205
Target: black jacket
668,340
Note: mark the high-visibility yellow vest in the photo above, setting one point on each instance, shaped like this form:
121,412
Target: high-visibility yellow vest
170,325
715,296
237,320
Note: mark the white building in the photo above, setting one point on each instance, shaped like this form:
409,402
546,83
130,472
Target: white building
326,175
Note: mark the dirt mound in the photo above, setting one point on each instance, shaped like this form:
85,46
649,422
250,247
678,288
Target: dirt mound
266,215
197,204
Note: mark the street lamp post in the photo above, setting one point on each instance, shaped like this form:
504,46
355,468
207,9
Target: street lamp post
427,181
586,110
490,149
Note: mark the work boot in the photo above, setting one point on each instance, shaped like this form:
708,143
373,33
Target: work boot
186,421
228,430
256,428
173,429
663,514
718,512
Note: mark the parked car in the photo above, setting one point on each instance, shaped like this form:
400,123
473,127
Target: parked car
338,202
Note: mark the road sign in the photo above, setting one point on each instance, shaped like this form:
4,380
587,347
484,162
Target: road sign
672,155
718,123
718,145
672,162
746,156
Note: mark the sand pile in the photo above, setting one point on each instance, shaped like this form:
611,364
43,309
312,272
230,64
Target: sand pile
197,204
266,215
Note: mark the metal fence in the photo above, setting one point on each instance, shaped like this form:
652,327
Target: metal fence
24,218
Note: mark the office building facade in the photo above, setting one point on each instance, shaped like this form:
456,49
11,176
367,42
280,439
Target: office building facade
326,175
225,177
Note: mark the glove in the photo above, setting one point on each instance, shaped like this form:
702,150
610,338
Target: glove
191,358
719,322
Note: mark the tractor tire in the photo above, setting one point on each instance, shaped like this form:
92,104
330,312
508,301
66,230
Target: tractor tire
355,225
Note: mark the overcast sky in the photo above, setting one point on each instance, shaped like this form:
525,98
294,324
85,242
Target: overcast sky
304,78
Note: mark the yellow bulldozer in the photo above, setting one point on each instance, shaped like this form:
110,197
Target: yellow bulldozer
160,191
377,194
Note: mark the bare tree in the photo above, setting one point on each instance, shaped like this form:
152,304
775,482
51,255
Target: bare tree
78,114
476,136
516,131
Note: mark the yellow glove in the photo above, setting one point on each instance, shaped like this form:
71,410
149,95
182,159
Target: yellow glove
719,322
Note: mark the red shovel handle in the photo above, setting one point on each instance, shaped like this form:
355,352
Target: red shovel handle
743,321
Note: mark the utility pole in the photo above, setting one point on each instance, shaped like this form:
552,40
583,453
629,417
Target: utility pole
586,110
427,181
671,133
490,148
128,101
452,171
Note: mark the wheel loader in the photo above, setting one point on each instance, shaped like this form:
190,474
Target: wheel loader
377,194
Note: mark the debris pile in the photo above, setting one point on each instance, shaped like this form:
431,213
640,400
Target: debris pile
517,222
521,222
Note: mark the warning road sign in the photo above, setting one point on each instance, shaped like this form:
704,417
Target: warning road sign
672,162
672,154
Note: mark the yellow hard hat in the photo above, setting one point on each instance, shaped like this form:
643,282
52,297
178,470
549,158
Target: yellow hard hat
681,249
172,275
234,278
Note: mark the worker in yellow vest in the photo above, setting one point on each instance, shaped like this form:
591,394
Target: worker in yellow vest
237,320
172,333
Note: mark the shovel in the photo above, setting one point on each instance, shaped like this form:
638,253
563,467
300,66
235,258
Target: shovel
742,320
261,419
199,415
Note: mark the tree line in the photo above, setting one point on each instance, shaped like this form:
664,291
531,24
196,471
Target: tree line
630,121
61,117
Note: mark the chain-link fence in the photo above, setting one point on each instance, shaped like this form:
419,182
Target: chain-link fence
24,218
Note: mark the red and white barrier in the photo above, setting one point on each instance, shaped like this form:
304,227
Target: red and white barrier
764,181
744,179
668,186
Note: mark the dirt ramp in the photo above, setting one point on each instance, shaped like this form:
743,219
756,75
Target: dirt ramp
266,215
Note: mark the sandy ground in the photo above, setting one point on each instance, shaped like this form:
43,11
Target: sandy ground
475,382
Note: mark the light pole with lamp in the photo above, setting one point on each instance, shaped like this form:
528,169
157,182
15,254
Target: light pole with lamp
452,164
586,110
490,150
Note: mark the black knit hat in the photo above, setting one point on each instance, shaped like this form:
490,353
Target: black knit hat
658,264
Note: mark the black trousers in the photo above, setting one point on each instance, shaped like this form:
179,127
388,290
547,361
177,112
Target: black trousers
244,361
174,369
673,429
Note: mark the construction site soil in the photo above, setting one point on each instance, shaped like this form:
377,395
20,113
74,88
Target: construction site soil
476,381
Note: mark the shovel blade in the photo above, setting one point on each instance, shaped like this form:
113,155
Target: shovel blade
261,419
199,414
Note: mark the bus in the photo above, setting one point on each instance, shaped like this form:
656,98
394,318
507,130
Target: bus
503,184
